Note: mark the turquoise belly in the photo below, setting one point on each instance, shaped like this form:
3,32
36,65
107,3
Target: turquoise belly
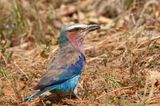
67,86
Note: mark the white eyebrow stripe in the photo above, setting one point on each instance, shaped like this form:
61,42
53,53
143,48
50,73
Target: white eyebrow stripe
76,26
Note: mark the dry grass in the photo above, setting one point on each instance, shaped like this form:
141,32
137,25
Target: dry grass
123,58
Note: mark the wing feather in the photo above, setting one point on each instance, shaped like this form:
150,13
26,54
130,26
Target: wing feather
54,76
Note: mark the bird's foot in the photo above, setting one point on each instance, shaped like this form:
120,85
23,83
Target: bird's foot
78,97
75,96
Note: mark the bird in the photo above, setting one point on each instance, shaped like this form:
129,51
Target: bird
64,70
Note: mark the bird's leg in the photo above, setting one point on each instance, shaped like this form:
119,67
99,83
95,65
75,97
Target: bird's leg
75,93
75,90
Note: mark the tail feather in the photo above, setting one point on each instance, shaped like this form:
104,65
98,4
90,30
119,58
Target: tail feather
39,93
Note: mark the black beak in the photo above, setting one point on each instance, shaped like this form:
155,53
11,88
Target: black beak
92,27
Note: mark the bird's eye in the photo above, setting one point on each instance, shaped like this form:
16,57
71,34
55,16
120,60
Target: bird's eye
77,29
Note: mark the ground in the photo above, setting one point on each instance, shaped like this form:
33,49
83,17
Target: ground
122,58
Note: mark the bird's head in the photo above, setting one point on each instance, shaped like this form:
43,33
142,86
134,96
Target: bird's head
75,34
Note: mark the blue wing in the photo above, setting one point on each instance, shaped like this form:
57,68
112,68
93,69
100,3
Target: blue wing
55,76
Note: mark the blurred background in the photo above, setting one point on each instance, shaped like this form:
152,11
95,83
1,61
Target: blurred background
123,57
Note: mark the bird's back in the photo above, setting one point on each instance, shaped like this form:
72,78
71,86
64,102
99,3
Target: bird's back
66,56
67,64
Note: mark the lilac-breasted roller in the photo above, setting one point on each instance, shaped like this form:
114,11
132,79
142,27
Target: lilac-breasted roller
65,69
